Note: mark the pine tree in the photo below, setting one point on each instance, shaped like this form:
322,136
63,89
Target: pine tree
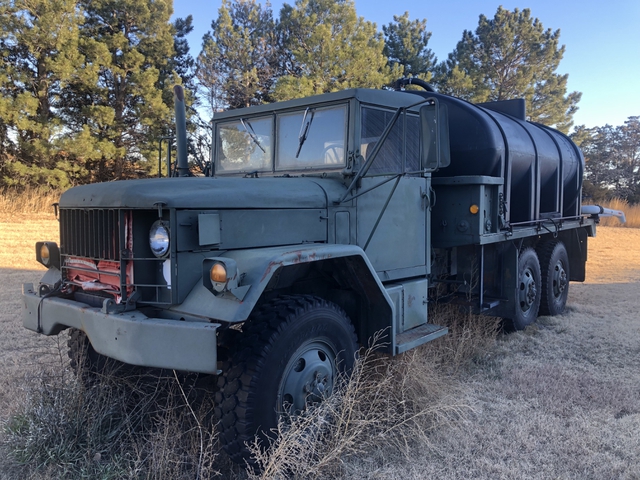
239,60
327,47
512,56
406,46
116,109
39,49
182,63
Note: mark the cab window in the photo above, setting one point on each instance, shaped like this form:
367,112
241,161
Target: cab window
311,138
399,152
245,145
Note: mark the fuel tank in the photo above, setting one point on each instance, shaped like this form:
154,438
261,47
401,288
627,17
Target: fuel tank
541,167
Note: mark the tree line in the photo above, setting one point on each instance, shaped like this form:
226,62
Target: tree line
612,154
86,84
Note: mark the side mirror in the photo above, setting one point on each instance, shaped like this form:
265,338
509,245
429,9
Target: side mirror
434,123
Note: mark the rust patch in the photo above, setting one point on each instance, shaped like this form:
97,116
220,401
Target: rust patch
269,269
295,257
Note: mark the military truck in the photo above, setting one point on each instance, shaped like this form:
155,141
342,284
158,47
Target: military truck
320,222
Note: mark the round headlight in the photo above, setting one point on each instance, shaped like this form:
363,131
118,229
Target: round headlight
45,256
159,238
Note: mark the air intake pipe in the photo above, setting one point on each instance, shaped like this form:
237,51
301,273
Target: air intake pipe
402,82
598,211
182,164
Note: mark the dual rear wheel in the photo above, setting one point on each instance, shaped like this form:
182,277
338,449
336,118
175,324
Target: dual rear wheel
542,283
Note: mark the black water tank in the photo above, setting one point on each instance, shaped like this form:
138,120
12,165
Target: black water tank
541,167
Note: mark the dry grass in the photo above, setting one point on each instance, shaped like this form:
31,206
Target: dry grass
632,214
139,426
18,239
116,426
25,218
22,205
558,400
387,408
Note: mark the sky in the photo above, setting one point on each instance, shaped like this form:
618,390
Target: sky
602,41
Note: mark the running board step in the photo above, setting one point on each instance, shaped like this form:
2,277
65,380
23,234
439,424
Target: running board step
473,306
417,336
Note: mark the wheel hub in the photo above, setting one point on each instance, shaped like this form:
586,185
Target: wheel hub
527,291
316,389
308,378
559,279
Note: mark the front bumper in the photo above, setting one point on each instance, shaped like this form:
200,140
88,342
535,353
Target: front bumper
130,337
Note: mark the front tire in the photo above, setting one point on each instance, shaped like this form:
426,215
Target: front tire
85,362
290,356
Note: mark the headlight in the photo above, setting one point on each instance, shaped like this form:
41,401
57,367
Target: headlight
45,256
159,238
48,254
218,274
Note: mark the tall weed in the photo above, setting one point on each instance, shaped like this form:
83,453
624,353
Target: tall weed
387,407
27,201
114,426
631,212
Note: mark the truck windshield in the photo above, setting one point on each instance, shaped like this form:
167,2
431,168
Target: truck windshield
310,138
245,145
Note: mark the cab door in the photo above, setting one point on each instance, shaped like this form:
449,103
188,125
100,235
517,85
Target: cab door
392,214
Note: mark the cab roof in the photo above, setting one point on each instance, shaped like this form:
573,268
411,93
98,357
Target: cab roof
382,98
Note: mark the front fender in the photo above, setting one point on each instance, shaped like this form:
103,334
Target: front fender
256,267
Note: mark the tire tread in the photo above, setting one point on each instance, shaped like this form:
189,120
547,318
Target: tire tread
545,253
236,384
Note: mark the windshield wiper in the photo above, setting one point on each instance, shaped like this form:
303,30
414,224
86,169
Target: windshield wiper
304,129
252,133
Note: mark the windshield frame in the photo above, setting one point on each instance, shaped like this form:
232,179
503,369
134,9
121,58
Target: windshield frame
276,168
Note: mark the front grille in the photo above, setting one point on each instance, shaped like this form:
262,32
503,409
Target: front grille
90,233
99,259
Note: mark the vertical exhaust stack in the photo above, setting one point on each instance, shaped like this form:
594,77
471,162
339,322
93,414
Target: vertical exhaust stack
181,132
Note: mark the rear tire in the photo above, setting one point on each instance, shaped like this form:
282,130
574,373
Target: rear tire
290,356
554,262
528,290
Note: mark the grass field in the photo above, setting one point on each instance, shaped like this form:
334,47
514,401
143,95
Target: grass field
559,400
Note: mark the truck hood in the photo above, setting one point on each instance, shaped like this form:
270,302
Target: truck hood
204,192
